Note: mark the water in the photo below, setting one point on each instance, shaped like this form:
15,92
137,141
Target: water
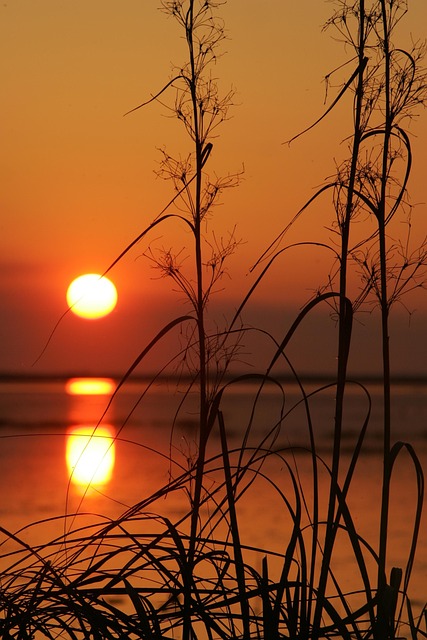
152,425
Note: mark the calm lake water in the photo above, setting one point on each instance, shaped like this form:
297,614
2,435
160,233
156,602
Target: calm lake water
38,420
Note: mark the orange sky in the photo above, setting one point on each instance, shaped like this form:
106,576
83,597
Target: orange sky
78,179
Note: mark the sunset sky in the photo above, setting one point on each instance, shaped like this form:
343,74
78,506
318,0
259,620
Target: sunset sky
78,179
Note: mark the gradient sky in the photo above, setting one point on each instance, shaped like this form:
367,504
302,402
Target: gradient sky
78,181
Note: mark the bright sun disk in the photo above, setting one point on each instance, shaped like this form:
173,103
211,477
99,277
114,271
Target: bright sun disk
91,296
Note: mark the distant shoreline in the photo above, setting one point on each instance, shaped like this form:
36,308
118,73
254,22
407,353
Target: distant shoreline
7,378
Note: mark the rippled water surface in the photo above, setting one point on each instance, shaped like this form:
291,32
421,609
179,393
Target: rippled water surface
149,428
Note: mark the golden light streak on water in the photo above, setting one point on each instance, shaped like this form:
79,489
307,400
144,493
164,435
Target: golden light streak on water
90,455
89,386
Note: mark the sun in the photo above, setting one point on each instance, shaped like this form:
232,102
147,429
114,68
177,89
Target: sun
91,296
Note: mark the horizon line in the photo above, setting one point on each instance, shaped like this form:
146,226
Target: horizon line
399,378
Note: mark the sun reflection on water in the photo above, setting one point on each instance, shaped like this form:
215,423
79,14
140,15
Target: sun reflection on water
90,449
90,455
89,386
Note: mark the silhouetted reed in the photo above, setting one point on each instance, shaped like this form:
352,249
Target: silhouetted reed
144,575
